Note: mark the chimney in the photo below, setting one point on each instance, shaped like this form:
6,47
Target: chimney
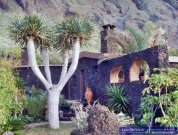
24,56
107,47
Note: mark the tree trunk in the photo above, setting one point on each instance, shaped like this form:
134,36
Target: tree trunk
53,109
65,64
45,58
33,64
73,66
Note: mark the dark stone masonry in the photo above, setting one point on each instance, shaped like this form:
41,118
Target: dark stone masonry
97,70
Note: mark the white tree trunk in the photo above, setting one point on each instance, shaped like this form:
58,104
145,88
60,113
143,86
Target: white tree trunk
33,64
45,58
65,64
73,66
53,91
53,109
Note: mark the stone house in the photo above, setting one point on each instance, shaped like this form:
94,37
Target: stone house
97,70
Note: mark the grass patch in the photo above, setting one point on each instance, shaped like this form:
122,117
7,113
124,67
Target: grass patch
65,129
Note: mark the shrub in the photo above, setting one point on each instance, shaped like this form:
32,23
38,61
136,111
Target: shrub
80,119
15,124
12,99
36,105
162,94
117,100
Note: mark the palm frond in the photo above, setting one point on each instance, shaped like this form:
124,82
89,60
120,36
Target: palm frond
124,40
66,30
138,36
30,25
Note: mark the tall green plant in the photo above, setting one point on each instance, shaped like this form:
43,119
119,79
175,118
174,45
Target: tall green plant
162,94
11,96
117,100
36,103
134,40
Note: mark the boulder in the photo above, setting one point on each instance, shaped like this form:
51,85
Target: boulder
102,122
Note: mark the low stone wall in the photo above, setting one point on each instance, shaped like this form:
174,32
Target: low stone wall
30,79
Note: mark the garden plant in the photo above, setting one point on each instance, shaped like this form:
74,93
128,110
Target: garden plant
161,94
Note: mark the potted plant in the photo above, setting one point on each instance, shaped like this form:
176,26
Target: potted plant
89,95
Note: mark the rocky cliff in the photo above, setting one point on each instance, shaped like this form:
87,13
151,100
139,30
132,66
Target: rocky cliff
118,12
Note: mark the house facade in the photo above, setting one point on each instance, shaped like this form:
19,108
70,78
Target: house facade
97,70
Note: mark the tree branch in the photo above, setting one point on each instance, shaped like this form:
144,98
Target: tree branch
64,67
45,58
33,64
160,104
73,66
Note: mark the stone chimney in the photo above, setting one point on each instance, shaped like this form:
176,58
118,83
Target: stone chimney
106,46
24,56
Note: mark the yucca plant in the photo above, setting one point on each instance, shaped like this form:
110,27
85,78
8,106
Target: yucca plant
117,100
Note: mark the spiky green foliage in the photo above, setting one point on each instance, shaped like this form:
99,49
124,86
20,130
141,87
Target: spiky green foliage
67,30
29,26
126,42
152,35
138,36
117,101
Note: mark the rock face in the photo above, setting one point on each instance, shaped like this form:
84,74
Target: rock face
118,12
102,122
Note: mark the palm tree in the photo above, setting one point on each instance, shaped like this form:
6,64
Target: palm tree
68,35
134,40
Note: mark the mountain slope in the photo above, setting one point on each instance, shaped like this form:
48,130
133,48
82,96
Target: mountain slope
118,12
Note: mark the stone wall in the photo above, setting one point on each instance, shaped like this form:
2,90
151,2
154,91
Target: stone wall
96,74
30,79
151,56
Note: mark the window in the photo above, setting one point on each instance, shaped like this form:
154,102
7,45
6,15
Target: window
116,74
139,70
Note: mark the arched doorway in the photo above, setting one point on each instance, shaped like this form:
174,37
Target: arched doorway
116,74
139,70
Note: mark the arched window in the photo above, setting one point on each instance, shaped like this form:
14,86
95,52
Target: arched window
116,74
139,70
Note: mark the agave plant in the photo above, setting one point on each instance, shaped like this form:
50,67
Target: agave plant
117,100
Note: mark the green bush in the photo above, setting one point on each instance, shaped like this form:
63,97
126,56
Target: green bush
117,100
63,102
36,104
12,98
15,124
162,95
